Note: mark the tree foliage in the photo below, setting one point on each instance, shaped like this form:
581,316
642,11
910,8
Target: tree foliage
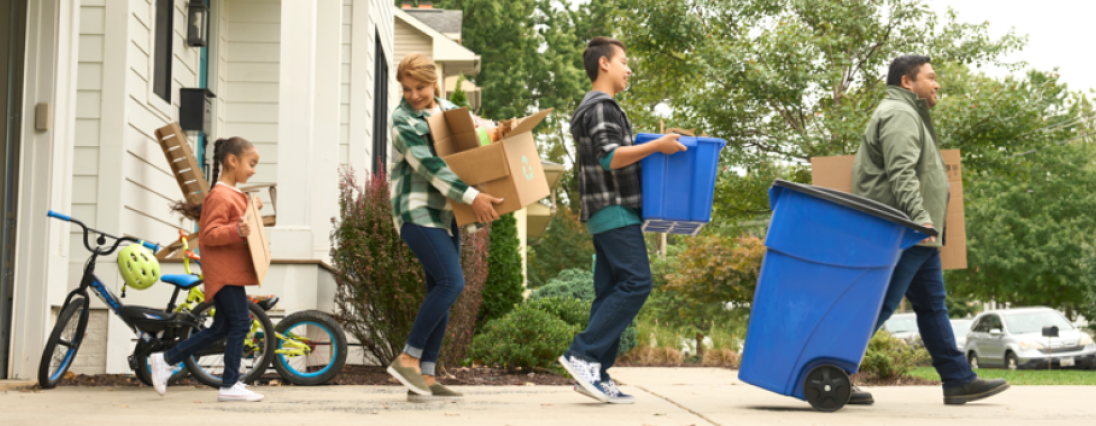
504,279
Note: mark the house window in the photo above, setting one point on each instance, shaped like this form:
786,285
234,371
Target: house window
161,78
380,109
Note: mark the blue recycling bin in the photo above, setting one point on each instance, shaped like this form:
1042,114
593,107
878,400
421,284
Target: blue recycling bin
829,259
678,188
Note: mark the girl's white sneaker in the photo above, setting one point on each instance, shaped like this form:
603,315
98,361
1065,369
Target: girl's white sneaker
238,393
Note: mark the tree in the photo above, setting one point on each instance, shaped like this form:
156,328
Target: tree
710,273
781,80
459,98
565,245
503,288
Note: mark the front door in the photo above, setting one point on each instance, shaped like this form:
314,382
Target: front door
12,19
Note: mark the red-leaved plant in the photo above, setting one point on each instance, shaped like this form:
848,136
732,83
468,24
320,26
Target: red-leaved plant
380,282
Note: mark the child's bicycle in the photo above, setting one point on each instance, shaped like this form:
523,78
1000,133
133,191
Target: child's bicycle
310,346
157,330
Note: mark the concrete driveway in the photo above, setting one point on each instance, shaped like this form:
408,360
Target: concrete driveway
665,397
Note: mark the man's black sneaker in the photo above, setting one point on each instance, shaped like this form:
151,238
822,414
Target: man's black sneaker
973,391
860,397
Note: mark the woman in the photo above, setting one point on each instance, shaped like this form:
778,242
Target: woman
422,188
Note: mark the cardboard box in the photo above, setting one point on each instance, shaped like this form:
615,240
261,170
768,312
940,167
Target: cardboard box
257,242
836,173
509,169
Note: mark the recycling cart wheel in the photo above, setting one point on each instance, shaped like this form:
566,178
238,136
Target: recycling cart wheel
827,388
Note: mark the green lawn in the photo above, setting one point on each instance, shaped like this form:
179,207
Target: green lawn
1022,377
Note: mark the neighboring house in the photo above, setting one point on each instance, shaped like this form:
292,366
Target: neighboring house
437,34
309,82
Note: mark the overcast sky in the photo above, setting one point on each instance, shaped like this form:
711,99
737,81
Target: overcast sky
1060,33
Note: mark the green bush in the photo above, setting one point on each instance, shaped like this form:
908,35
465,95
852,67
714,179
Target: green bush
504,280
569,284
578,284
572,311
890,358
526,338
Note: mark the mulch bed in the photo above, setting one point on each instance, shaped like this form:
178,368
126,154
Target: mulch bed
354,375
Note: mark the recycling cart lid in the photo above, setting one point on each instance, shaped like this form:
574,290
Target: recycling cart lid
861,204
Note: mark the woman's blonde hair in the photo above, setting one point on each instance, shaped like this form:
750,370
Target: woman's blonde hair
419,67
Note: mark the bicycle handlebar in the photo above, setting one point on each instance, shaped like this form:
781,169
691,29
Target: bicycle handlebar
151,246
56,215
99,250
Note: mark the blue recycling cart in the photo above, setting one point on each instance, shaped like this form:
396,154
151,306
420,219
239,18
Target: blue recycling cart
678,188
828,261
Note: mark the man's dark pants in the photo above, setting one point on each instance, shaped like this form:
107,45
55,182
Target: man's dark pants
919,277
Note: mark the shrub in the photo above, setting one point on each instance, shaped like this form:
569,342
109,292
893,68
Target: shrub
579,284
380,283
565,244
526,338
569,284
504,280
889,358
572,311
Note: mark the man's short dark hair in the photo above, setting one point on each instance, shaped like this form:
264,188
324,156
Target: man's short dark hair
906,65
599,47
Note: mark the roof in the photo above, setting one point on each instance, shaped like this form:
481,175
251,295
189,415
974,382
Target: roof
445,48
445,21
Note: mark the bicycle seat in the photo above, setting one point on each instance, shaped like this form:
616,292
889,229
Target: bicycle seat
184,281
265,302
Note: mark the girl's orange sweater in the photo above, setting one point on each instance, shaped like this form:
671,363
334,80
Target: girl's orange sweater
226,259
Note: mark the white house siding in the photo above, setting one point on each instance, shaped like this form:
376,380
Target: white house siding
344,88
408,39
85,172
252,77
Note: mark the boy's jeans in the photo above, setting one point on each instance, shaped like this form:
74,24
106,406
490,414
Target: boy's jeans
919,277
622,281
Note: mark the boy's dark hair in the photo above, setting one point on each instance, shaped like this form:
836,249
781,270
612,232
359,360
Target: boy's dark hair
906,65
599,47
224,146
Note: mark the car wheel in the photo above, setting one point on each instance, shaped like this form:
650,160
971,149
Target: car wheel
973,360
1011,361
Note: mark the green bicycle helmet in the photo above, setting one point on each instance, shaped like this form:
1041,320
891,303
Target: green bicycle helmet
139,268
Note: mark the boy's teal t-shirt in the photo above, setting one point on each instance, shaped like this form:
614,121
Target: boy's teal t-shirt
611,217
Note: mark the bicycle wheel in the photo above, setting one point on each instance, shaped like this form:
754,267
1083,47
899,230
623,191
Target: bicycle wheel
63,343
311,348
144,369
207,365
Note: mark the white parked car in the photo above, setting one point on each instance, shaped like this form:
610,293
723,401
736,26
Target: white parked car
1013,338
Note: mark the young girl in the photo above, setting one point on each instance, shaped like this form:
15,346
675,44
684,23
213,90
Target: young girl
226,264
422,188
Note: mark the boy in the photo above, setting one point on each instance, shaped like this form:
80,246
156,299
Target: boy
611,192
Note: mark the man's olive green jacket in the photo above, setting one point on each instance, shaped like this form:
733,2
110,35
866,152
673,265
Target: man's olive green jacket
899,162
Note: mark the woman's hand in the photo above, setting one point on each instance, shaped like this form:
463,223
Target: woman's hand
242,229
484,206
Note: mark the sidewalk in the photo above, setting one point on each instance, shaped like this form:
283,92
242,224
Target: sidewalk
666,397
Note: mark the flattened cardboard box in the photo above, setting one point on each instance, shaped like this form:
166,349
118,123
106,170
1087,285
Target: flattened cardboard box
257,242
836,173
509,169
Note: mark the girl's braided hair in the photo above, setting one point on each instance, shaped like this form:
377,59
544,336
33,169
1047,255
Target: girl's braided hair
235,146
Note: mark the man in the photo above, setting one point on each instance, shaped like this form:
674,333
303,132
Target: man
612,196
899,164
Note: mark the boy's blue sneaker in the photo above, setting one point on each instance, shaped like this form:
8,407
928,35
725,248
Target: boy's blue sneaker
614,393
611,390
586,375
